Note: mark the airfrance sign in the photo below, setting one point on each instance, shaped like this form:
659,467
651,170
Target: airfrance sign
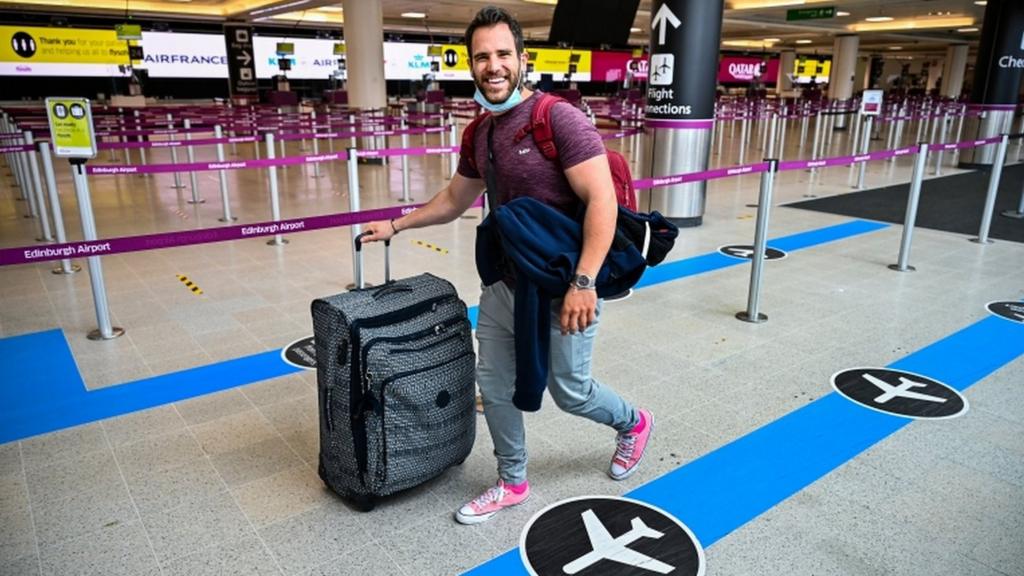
174,55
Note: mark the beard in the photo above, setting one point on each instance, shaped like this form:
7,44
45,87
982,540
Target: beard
502,92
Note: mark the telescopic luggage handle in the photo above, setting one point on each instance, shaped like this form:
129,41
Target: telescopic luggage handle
360,280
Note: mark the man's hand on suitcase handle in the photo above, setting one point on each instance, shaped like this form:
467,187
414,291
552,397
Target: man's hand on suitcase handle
379,231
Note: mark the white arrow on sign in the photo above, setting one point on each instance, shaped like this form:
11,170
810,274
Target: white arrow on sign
662,18
245,58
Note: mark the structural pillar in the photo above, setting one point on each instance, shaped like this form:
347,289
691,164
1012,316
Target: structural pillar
681,103
953,71
997,76
787,59
364,53
844,69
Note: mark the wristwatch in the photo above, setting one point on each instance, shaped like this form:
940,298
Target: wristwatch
583,282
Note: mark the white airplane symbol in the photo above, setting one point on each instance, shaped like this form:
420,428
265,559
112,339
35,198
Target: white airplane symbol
901,391
614,549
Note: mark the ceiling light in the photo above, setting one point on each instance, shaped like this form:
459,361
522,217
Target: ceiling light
278,7
971,29
331,9
981,2
549,2
841,13
878,19
803,41
745,43
895,47
413,15
914,24
636,30
773,40
755,4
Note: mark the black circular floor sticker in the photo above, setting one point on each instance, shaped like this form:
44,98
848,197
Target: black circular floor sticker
899,393
301,353
608,536
1011,310
746,252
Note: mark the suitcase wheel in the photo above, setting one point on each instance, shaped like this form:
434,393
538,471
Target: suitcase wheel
364,503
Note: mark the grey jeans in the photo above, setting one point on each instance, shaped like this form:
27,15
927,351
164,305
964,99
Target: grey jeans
569,381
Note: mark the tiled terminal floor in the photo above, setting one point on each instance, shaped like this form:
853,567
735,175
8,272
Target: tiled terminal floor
227,484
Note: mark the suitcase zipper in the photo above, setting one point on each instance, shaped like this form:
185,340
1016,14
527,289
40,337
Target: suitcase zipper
436,329
356,391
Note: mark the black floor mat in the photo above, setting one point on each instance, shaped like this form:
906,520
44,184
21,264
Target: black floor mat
948,203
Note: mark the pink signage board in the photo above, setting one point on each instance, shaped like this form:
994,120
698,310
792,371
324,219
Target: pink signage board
608,66
743,69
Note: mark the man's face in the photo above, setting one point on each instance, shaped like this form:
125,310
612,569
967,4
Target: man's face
495,65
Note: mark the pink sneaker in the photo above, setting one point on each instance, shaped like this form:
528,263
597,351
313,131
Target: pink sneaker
490,502
630,447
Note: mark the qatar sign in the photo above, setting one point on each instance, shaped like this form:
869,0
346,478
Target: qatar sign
743,69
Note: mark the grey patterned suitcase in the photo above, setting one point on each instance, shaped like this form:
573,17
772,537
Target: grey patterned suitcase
396,382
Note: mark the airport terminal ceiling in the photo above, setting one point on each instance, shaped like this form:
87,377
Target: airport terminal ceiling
898,28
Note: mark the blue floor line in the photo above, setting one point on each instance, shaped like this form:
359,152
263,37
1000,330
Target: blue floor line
724,489
53,397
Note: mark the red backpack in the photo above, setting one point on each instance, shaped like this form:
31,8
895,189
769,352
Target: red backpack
543,137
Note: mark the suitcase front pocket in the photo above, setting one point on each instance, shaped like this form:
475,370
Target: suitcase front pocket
428,421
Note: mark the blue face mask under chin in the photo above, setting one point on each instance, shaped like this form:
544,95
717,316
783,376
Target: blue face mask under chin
514,98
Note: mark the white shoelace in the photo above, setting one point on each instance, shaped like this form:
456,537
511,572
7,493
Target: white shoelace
493,494
624,446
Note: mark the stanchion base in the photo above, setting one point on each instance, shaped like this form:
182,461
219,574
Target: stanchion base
115,332
175,187
274,242
1012,214
746,318
232,219
74,268
352,286
687,222
200,201
405,200
897,268
980,241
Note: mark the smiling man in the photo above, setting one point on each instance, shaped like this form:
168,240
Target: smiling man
578,181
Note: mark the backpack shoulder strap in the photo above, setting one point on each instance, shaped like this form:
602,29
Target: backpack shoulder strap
540,126
468,147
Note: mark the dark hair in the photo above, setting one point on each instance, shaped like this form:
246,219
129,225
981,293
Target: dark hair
491,16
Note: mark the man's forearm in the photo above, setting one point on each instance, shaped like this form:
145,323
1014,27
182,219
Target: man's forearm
598,233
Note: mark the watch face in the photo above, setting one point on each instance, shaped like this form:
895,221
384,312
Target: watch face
584,281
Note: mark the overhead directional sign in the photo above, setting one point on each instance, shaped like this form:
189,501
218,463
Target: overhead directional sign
608,536
662,19
71,127
900,393
810,13
241,66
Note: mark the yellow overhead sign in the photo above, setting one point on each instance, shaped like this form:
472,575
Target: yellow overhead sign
71,127
29,44
455,57
812,67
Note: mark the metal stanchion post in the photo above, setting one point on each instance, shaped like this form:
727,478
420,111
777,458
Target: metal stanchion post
353,206
803,127
911,215
99,291
942,138
782,135
772,134
764,202
405,160
190,153
993,189
123,139
174,155
316,147
25,180
222,174
864,150
1020,142
817,137
66,267
275,201
453,158
139,139
37,191
856,132
353,128
744,132
721,137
